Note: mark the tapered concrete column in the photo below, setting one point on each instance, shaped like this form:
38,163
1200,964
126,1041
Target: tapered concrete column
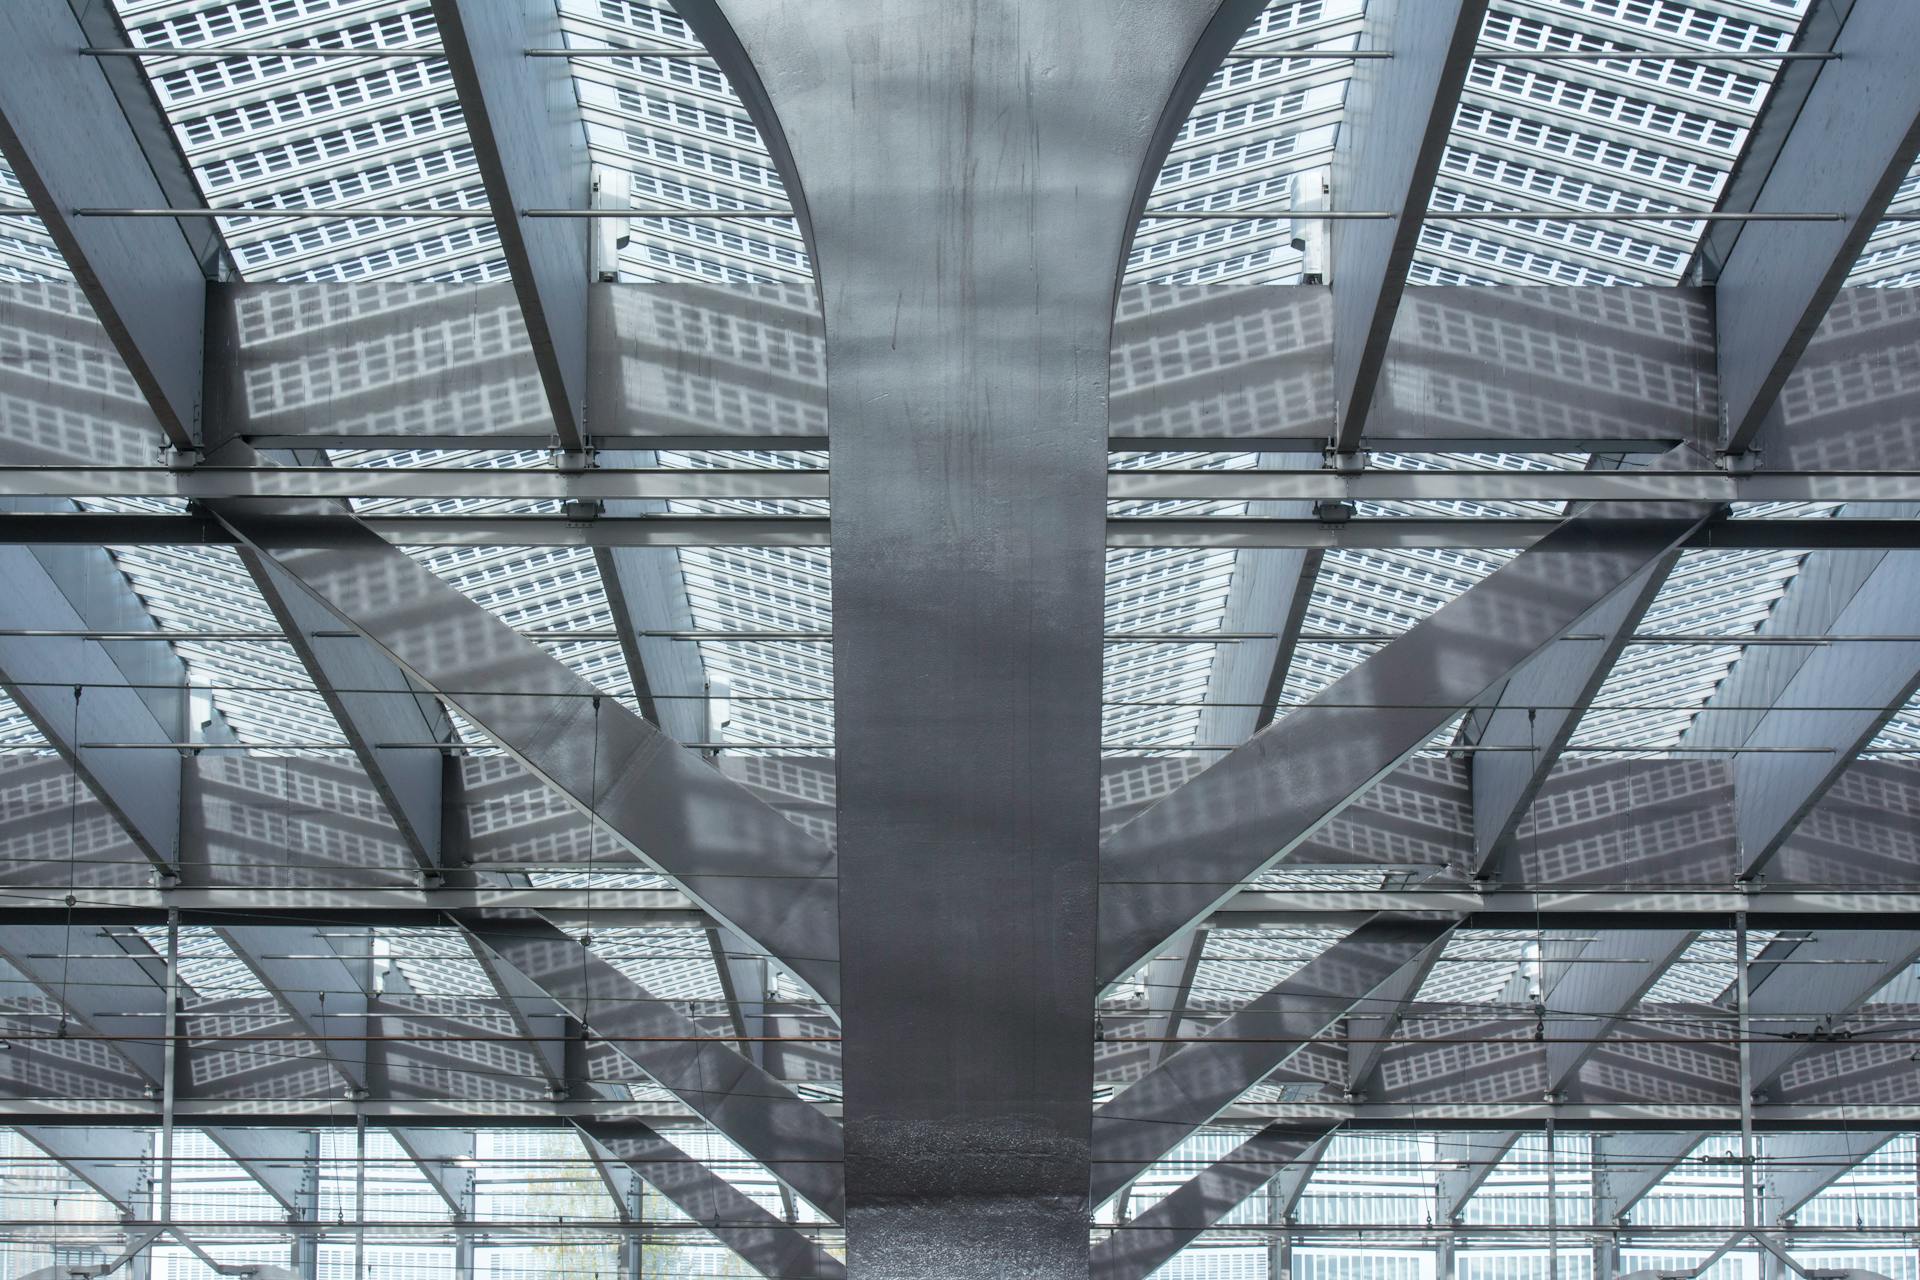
971,171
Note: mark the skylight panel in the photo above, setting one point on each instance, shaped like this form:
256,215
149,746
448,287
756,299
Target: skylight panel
289,132
1259,137
670,133
1891,257
1654,691
1597,135
26,251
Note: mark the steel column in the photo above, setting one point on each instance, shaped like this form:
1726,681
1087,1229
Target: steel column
967,359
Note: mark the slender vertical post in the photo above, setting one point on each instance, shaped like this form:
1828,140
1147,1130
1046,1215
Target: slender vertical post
1553,1204
1743,997
170,1028
360,1196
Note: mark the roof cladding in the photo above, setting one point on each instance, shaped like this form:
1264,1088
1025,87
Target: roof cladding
293,131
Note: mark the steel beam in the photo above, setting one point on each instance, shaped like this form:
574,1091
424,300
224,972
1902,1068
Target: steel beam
116,529
531,149
1854,140
274,1158
375,705
1136,1249
1827,583
968,366
1194,848
1597,989
1156,1112
1285,486
1369,1031
1637,1162
771,1247
113,991
1832,975
1799,1166
78,692
1562,677
730,852
1774,791
1457,1185
796,1142
1269,597
63,132
1393,134
111,1161
1772,125
446,1158
300,970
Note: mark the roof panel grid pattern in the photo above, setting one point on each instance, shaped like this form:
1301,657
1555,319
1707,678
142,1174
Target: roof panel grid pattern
1654,691
1154,686
1891,257
1599,136
26,251
548,590
1259,137
672,134
292,132
777,692
1373,593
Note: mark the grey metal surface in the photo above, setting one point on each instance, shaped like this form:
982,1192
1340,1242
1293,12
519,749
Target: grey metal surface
113,991
276,1159
793,1138
1138,1248
1773,792
375,705
63,133
1560,679
111,1161
1599,987
771,1247
1492,368
738,857
967,360
80,692
1285,482
445,1157
1392,137
1802,1165
1189,852
1855,139
1811,998
532,152
322,993
1772,126
1199,1081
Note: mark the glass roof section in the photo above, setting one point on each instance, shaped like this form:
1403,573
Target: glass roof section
1615,136
671,133
1261,135
1891,257
306,132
